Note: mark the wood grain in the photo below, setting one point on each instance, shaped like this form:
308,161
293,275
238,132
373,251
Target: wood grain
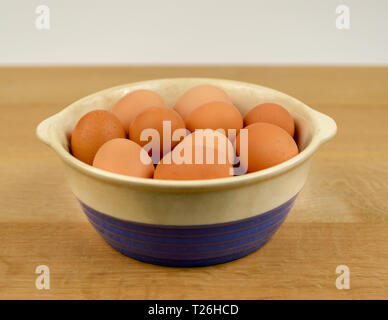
341,216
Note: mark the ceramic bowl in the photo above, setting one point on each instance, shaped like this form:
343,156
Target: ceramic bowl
188,223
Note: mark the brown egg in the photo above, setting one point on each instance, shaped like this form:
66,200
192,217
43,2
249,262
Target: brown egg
153,118
268,145
215,115
134,103
206,138
197,96
92,131
124,157
201,155
271,113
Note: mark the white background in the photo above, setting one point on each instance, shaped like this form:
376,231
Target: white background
193,32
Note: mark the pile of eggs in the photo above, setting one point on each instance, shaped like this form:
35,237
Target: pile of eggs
118,141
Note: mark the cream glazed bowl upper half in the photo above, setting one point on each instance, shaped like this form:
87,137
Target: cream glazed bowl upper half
188,223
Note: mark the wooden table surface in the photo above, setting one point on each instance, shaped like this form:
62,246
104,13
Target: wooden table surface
340,217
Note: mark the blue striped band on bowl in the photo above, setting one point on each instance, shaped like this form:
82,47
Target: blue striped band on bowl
188,246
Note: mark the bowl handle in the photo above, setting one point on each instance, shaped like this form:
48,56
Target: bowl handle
43,131
326,126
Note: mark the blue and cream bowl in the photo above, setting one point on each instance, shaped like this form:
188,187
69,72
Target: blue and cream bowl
188,223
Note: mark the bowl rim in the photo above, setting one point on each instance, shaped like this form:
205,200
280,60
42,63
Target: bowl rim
324,128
